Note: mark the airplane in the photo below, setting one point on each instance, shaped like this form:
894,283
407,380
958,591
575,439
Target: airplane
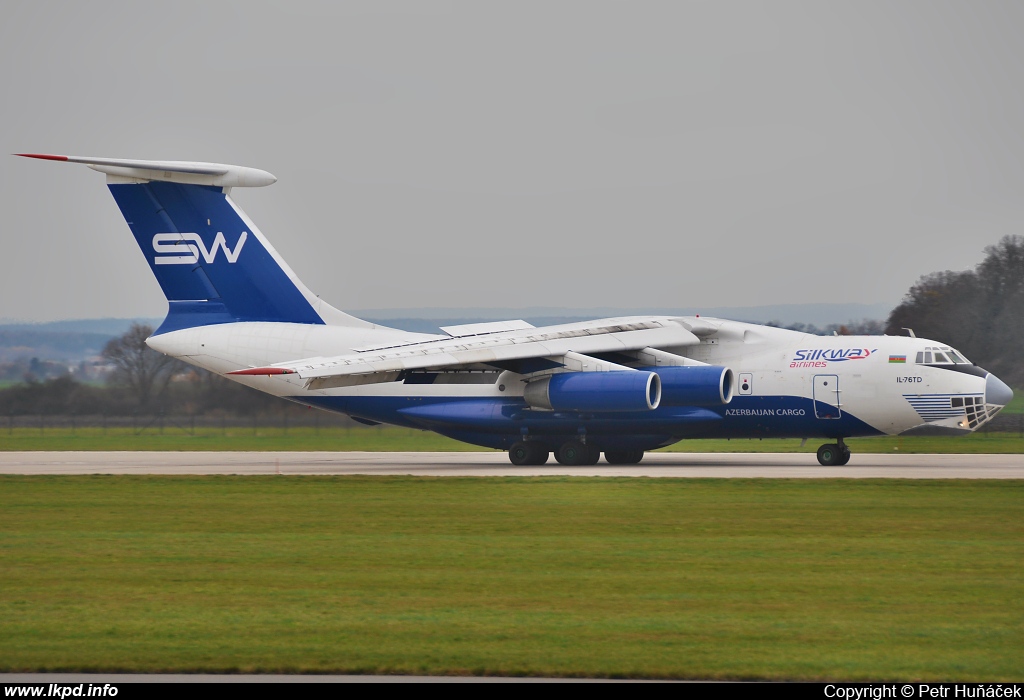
617,386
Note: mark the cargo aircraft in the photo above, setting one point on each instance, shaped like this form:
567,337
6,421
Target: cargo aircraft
617,386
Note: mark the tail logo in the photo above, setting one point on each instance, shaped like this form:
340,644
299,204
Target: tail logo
185,248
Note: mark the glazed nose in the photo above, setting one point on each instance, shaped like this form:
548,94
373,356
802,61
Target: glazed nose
996,392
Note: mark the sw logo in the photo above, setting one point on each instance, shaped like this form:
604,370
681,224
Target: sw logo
185,248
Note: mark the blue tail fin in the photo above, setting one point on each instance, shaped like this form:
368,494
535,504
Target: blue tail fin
212,263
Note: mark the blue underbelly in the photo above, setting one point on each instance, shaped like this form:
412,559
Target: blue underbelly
499,422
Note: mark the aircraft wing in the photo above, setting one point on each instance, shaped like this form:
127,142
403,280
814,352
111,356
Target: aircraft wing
602,336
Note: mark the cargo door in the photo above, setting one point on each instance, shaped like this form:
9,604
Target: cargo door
826,396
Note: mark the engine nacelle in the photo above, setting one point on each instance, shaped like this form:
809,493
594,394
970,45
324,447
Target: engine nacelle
596,391
704,385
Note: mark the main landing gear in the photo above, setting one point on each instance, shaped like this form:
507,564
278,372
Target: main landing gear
624,456
836,455
526,454
571,454
576,454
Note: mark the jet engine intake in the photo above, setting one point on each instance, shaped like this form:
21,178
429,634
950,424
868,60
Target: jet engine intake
705,385
596,391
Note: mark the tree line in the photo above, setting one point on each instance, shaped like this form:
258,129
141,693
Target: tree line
979,312
143,381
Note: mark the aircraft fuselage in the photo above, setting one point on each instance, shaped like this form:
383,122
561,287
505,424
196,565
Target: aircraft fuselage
787,384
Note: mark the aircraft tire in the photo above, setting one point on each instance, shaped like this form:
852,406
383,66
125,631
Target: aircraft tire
845,458
576,454
624,456
526,454
830,455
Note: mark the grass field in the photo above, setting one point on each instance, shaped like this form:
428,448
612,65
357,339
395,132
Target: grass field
387,439
795,579
1016,405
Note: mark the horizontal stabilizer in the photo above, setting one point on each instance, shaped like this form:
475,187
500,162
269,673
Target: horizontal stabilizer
186,172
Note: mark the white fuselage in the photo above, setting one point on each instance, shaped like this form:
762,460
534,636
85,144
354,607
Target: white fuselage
781,374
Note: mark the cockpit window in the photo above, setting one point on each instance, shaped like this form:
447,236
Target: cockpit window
941,356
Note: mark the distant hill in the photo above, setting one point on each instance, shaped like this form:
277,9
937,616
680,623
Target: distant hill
105,326
70,341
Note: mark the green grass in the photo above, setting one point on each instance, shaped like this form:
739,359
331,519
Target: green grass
790,579
388,439
1016,405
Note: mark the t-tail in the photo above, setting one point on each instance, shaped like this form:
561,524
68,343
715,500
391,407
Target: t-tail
212,263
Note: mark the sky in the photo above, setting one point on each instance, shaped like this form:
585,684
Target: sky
524,154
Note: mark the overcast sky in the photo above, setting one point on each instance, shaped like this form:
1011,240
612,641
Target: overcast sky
572,154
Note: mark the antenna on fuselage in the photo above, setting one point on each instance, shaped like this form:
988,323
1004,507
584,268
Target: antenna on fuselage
910,332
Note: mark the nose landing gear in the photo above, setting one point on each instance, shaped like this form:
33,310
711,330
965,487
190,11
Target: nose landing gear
834,455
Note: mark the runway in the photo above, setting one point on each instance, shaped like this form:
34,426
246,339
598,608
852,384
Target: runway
656,465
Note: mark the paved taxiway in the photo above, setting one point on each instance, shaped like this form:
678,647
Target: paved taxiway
731,465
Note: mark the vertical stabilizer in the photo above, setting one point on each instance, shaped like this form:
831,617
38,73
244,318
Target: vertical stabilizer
212,263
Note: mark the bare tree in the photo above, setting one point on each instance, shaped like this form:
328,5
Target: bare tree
144,370
980,312
865,326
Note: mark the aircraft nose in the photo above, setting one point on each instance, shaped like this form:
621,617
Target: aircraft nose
996,391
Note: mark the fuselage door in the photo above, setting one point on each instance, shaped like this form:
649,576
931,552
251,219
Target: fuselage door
826,396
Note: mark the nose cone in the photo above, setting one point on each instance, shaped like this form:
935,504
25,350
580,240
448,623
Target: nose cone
996,392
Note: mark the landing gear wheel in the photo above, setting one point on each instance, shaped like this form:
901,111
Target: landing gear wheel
845,457
623,456
526,454
576,454
831,455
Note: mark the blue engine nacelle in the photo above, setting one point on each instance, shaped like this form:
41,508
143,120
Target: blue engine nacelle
702,385
596,391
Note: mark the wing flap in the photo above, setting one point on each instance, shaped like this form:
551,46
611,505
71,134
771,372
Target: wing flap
468,329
